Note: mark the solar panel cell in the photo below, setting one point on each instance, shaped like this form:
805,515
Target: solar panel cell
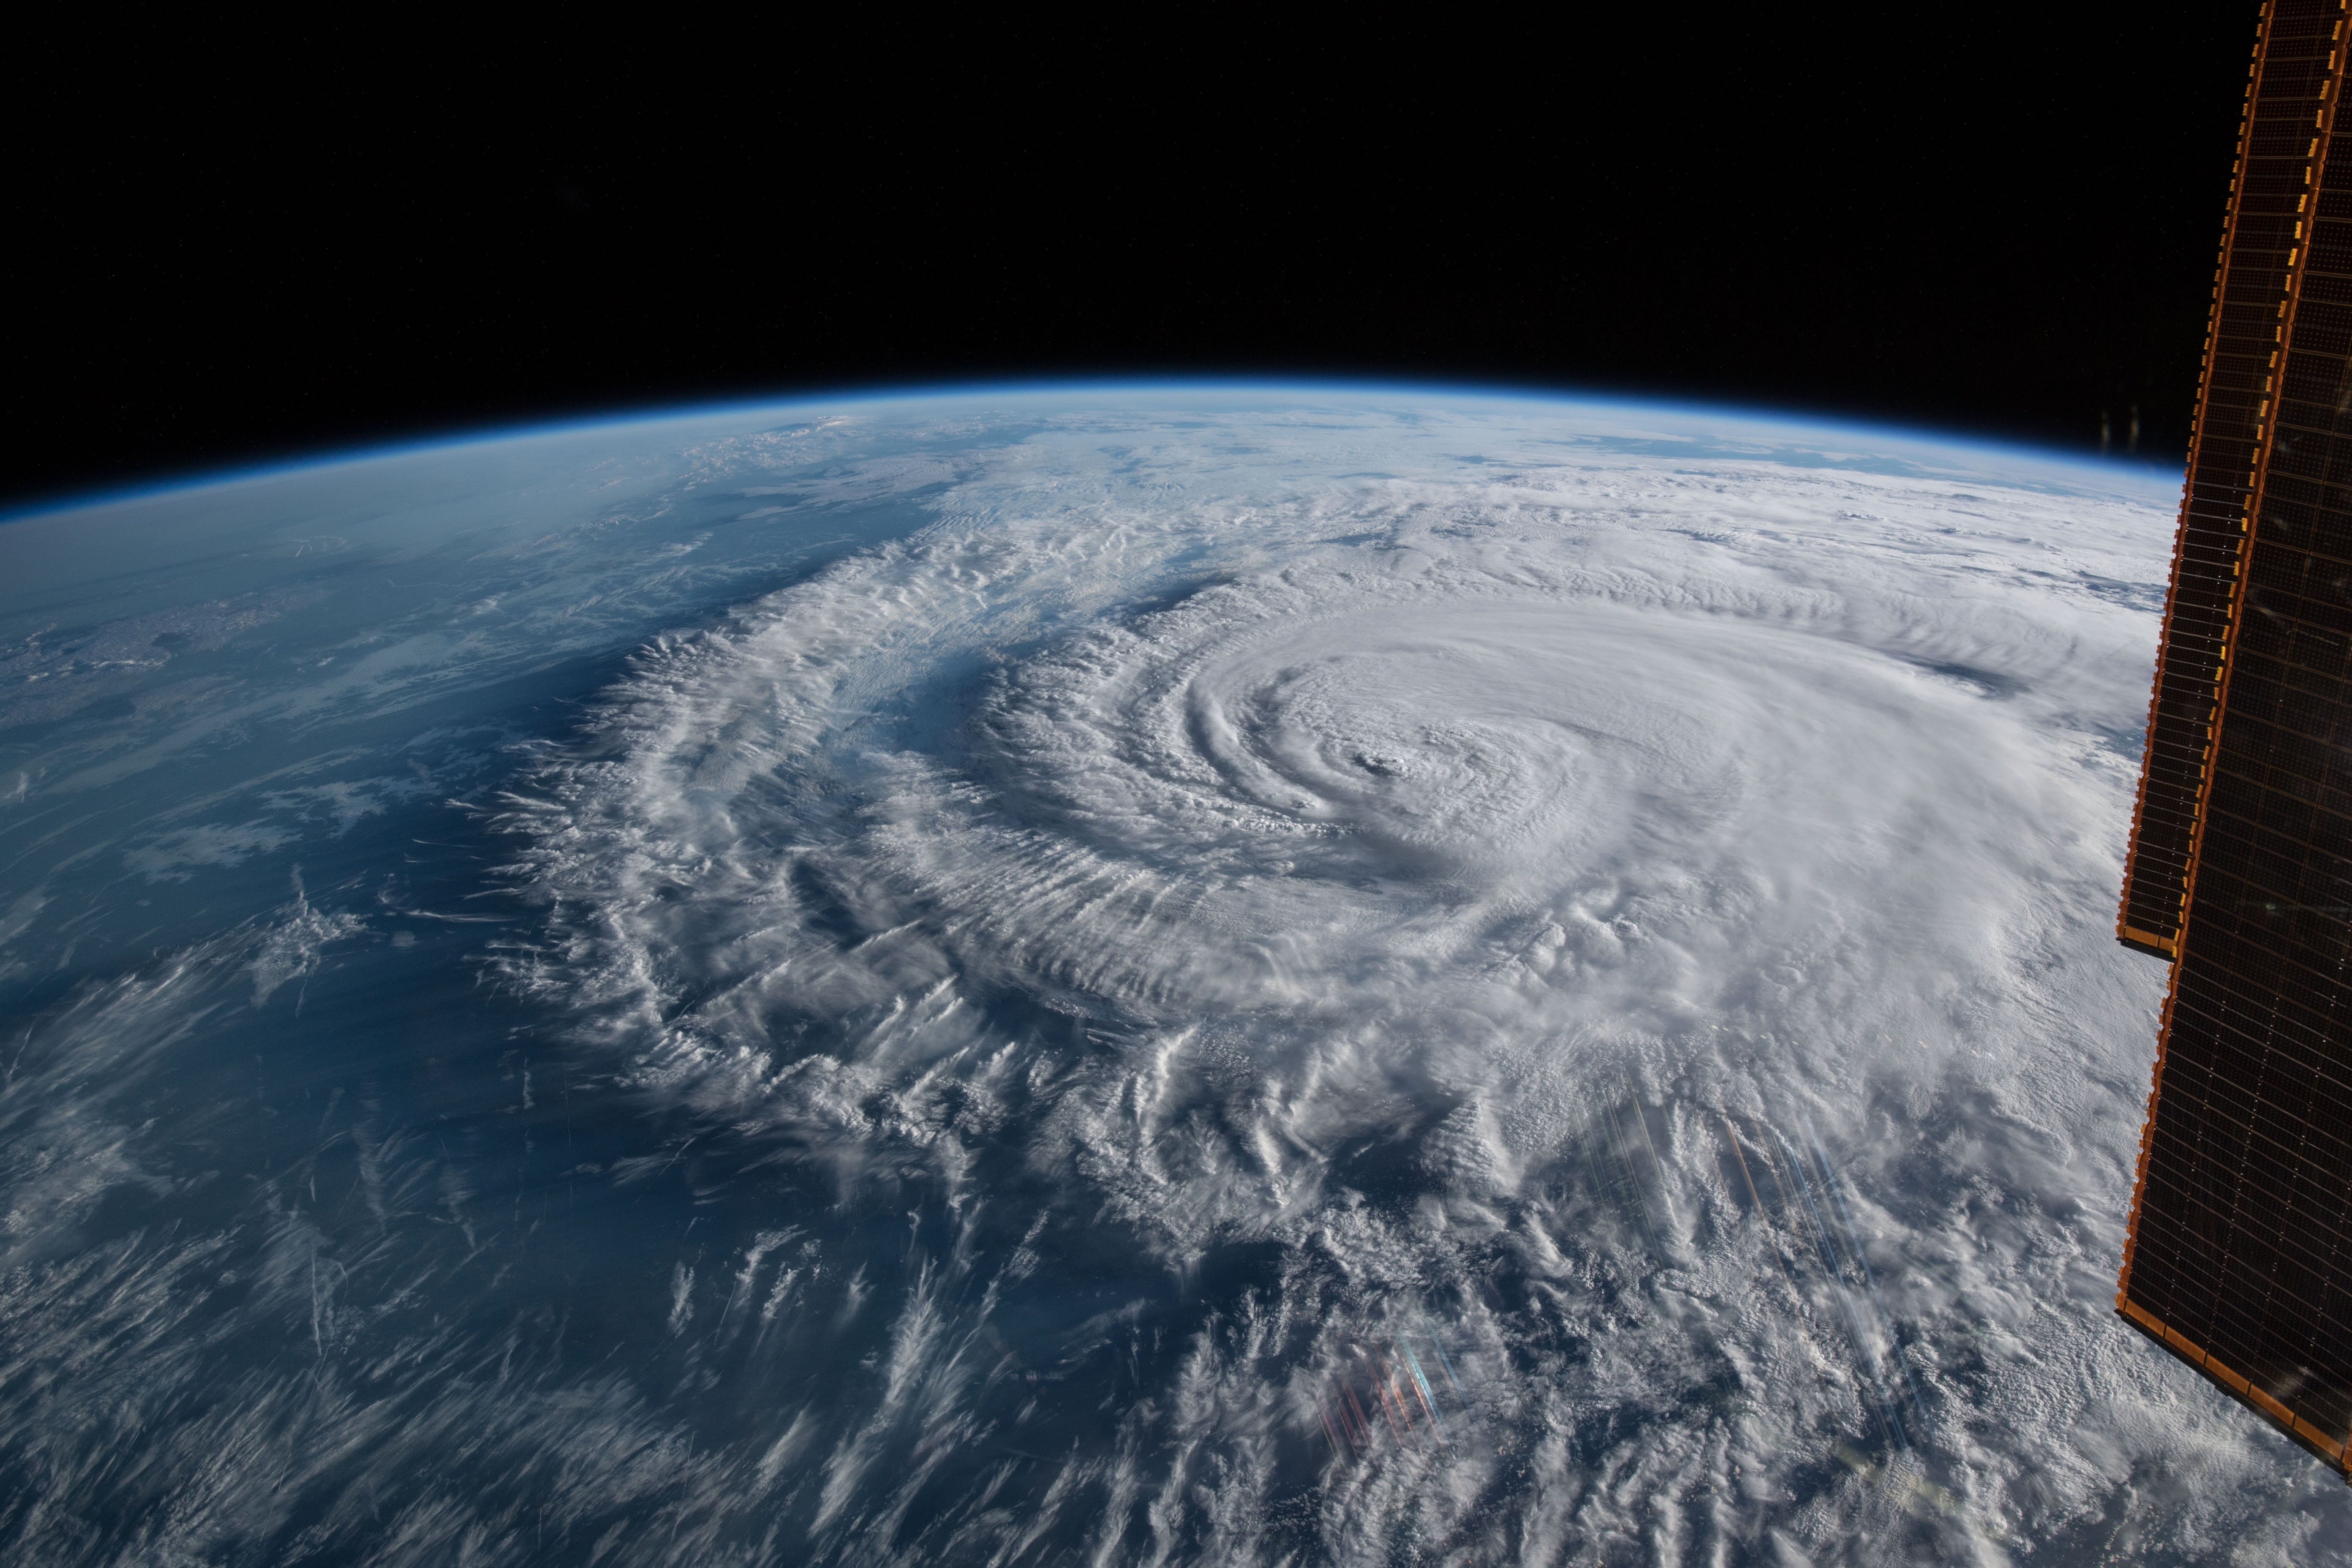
2237,1257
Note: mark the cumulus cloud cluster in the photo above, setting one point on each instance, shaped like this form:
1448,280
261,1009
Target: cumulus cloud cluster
1635,932
1261,988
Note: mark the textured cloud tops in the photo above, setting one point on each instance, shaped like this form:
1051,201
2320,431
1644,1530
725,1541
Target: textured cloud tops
1241,975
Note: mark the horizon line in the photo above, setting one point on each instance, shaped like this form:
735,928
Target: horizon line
453,438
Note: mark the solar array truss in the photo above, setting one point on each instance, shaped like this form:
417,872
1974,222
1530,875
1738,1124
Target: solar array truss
2239,1255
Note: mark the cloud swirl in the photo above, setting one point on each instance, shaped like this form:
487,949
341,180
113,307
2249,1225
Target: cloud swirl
1229,975
1585,988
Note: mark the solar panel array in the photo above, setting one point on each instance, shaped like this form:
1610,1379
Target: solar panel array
2239,1254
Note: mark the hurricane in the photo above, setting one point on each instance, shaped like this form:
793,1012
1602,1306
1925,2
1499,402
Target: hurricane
1219,977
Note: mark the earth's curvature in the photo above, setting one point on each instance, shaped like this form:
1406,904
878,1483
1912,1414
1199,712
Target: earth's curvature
1233,975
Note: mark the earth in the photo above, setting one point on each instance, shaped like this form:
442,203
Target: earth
1228,974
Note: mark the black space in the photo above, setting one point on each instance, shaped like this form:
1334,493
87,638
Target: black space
2000,218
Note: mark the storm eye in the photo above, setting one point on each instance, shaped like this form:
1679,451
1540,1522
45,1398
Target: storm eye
1380,766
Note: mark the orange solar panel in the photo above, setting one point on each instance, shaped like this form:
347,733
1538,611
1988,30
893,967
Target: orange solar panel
2239,1254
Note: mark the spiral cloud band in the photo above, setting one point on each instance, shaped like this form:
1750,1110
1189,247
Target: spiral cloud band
1239,977
1629,931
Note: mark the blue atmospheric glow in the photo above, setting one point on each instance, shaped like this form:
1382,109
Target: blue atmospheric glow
1121,392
